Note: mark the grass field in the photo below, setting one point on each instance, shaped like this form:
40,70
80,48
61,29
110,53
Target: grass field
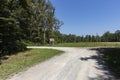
90,44
23,60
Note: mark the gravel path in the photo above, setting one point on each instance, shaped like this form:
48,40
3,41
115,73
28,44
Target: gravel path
75,64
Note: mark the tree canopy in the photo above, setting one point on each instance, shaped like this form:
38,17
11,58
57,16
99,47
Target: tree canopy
29,20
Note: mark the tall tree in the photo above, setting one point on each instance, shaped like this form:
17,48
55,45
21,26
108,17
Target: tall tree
9,30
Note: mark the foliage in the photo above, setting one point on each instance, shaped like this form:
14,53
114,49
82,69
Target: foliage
26,20
9,30
106,37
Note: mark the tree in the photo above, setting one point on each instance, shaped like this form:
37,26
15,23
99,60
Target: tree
117,35
9,30
106,36
26,20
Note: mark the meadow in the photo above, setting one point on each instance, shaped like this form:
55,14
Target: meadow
89,44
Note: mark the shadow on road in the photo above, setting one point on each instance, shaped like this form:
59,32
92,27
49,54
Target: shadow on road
108,75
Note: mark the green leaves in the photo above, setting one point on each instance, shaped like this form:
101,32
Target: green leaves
25,20
9,30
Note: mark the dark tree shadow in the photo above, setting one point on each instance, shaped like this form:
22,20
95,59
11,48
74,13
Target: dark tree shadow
112,58
101,65
102,78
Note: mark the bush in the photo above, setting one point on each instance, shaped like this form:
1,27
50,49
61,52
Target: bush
11,48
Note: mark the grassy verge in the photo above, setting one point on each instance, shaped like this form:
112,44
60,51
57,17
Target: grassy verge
112,57
22,60
90,44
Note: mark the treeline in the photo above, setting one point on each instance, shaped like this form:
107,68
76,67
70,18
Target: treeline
106,37
26,20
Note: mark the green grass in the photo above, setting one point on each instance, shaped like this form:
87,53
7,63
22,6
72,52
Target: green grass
23,60
112,57
90,44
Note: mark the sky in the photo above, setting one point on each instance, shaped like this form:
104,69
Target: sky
82,17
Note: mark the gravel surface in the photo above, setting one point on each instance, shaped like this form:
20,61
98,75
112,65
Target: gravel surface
74,64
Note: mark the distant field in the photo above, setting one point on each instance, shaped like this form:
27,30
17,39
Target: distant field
18,62
90,44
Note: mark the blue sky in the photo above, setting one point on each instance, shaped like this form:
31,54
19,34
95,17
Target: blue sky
82,17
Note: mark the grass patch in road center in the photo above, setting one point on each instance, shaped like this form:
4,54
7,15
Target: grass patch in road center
23,60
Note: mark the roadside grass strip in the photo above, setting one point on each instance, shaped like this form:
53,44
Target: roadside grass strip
21,61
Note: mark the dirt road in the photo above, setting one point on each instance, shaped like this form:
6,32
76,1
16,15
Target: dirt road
75,64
